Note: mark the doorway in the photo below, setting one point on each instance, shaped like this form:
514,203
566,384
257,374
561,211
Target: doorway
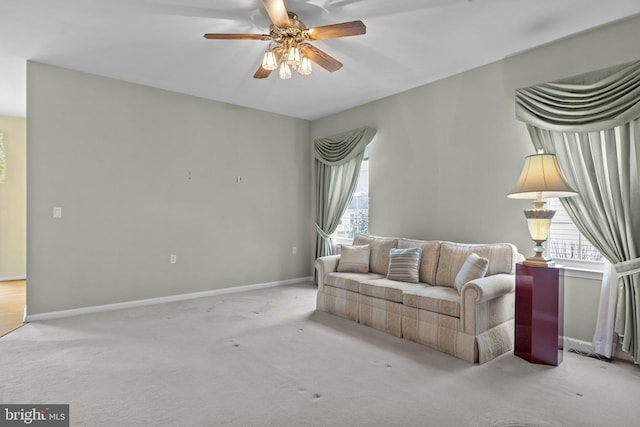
13,297
13,222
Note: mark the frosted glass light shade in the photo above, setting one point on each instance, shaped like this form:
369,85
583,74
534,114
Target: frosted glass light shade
305,66
285,71
269,61
293,57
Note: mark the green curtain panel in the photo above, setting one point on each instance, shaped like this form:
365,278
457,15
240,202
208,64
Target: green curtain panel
337,160
592,123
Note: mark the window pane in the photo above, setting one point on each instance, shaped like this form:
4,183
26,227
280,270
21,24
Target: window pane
356,217
565,241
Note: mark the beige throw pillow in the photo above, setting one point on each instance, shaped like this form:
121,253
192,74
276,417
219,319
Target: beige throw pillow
354,259
404,264
475,267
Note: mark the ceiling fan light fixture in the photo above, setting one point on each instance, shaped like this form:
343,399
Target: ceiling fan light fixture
289,37
285,71
305,66
269,61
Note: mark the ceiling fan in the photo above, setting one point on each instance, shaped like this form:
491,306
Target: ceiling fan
290,46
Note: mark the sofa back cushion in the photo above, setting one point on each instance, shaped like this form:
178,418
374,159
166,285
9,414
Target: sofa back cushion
429,259
380,247
501,256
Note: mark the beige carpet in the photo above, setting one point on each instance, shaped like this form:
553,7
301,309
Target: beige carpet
266,358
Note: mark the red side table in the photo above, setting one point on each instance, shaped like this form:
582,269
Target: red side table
539,330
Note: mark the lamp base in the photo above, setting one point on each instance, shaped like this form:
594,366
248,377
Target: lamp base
539,261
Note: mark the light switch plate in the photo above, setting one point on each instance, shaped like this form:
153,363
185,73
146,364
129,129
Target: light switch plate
57,213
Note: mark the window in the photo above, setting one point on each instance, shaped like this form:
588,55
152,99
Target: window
565,241
356,218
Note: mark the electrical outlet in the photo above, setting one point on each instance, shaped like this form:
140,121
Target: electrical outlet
173,259
57,213
294,250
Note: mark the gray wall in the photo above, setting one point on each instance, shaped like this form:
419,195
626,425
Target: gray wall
447,153
142,173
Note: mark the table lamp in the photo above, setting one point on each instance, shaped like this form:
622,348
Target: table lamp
540,178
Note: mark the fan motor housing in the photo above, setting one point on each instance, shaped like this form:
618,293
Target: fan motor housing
296,31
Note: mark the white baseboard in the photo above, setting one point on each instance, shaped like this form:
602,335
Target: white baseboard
8,279
586,348
159,300
578,345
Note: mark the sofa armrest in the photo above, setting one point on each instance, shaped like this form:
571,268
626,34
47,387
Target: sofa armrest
489,287
487,302
325,265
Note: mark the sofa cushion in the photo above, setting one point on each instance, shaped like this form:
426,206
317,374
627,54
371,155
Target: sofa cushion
501,256
475,267
349,281
438,299
429,258
380,247
403,264
354,258
386,289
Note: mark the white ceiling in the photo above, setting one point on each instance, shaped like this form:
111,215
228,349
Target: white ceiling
159,43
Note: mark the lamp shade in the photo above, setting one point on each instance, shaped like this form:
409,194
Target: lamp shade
541,178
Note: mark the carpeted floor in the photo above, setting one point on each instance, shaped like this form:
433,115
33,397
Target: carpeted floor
266,358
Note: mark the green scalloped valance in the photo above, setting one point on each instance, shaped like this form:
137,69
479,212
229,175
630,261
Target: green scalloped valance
339,149
593,101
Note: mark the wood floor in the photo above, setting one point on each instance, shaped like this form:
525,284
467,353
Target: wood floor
13,297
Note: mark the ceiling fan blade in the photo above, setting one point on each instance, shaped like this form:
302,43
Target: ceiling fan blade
321,58
277,12
217,36
346,29
261,73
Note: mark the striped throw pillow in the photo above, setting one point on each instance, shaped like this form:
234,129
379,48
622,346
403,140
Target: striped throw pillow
404,264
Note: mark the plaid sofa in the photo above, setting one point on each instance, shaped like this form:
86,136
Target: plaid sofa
474,323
